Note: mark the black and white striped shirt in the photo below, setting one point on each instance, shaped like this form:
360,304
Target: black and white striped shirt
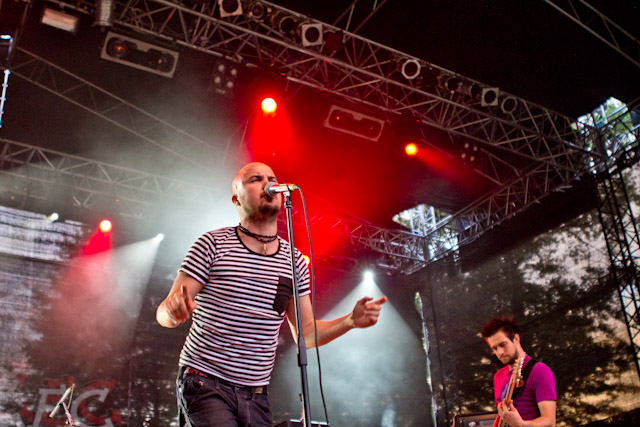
234,332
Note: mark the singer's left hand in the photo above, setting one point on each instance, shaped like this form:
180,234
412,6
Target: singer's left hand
366,312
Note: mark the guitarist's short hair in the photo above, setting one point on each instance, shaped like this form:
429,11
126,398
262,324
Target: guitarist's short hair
505,324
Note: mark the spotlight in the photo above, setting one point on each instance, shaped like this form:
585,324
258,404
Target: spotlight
469,152
6,48
354,123
410,69
160,237
104,13
411,149
105,226
258,10
229,8
59,20
138,54
53,217
224,77
508,104
451,82
368,276
489,97
269,106
333,42
307,260
311,34
119,48
283,22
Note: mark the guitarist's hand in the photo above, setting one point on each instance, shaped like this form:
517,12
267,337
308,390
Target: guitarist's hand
510,414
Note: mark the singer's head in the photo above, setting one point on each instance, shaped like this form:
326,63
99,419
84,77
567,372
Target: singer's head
247,193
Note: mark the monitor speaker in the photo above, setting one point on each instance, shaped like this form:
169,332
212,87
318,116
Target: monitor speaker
483,419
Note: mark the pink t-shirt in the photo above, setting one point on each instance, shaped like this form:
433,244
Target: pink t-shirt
540,386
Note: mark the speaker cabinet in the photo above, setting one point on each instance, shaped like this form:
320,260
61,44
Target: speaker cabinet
483,419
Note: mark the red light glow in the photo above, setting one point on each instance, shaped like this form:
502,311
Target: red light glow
269,106
105,226
411,149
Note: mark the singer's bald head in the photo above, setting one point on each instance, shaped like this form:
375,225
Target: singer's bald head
246,171
247,193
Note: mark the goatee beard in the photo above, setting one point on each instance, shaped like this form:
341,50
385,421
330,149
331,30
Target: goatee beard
269,210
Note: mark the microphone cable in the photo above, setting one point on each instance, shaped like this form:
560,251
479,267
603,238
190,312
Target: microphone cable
313,304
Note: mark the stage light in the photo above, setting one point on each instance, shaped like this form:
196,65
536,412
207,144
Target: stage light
411,149
138,54
368,276
283,21
160,237
258,10
104,13
311,34
354,123
410,69
333,41
224,77
59,20
105,226
508,104
489,97
469,152
451,82
269,106
230,8
306,259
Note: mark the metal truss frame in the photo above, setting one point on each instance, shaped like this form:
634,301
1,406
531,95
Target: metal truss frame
558,150
598,24
88,180
623,244
119,112
368,73
138,192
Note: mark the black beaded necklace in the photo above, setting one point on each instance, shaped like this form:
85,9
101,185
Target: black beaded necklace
259,237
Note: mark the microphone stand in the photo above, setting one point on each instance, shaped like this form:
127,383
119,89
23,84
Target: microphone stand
66,411
302,348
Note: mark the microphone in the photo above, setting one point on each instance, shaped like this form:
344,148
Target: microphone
272,189
64,397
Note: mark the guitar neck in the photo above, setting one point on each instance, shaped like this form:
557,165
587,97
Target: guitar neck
515,377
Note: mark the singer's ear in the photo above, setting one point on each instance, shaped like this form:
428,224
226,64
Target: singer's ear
234,200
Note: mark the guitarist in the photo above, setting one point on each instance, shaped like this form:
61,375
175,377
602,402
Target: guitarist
533,403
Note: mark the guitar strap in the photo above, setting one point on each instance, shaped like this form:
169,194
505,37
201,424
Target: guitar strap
525,375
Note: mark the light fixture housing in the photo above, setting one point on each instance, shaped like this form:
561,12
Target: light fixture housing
311,34
410,69
230,8
60,20
489,96
138,54
354,123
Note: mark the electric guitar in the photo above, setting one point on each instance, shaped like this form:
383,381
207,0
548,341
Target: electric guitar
516,378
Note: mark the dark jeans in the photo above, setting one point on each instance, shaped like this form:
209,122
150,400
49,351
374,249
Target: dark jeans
210,402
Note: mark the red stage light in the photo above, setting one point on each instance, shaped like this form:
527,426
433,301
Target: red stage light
105,226
269,106
411,149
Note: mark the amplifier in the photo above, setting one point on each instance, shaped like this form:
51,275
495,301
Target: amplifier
298,423
482,419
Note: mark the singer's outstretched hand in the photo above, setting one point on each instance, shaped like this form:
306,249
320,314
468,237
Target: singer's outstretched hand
179,304
366,312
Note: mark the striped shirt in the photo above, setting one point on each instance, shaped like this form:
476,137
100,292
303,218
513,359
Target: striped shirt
235,327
